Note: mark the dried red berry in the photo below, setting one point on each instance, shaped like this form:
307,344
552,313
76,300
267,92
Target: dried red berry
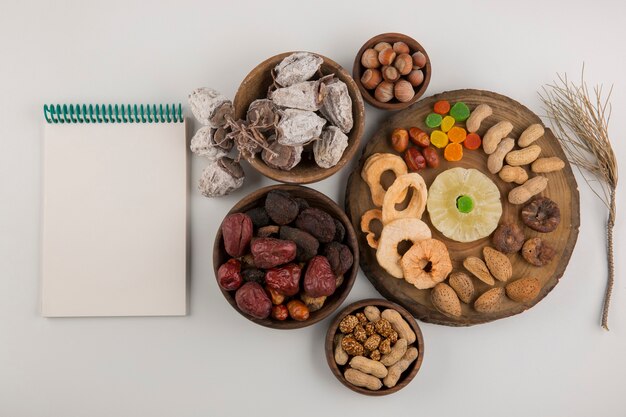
229,275
281,207
319,279
236,232
284,279
318,223
268,252
252,299
339,256
280,312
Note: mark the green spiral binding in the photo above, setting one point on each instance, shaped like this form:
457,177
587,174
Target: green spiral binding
117,113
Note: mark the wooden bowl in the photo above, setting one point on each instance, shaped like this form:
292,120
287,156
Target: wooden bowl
315,199
358,69
406,377
255,86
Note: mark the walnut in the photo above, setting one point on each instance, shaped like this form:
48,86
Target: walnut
372,342
375,355
369,329
385,346
362,319
348,323
351,346
383,327
359,333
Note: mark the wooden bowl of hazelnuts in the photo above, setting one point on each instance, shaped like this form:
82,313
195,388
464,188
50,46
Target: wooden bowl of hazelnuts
392,71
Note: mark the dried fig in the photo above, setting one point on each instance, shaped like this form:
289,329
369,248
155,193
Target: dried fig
537,252
541,214
508,238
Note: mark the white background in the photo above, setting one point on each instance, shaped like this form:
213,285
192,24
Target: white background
553,360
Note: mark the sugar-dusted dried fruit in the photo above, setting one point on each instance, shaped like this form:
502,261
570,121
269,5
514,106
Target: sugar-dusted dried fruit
284,279
537,251
210,107
298,127
340,231
252,299
298,310
269,252
203,143
337,105
541,214
319,279
229,275
348,323
508,238
281,207
339,256
307,245
313,303
259,217
523,290
297,67
262,114
318,223
306,95
253,275
237,233
221,177
283,157
426,263
352,346
329,148
280,312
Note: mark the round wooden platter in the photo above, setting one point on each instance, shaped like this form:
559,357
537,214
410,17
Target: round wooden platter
562,188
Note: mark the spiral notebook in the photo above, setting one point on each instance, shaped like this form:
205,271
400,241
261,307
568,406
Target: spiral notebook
114,211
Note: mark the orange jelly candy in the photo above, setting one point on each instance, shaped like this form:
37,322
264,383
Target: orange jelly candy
453,152
442,107
457,134
472,141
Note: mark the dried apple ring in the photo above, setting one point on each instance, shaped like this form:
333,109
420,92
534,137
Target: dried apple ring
393,233
366,219
397,192
426,264
373,169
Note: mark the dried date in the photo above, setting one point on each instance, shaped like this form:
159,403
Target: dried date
339,256
298,310
319,279
306,244
318,223
252,299
285,279
229,275
237,233
268,252
281,207
280,312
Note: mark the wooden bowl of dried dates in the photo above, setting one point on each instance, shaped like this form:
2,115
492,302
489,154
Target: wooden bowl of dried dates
285,256
392,71
305,116
374,347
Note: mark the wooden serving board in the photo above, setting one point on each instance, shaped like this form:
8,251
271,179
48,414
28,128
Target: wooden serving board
562,188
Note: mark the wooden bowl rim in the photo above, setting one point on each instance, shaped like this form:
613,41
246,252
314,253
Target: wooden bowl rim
407,376
316,173
357,70
350,240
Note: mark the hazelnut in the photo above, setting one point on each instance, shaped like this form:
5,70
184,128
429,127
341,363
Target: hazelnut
384,91
403,63
369,59
381,45
419,59
403,90
386,56
390,73
371,78
401,48
415,77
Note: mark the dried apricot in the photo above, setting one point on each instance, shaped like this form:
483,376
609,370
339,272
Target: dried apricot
472,141
457,134
453,152
442,107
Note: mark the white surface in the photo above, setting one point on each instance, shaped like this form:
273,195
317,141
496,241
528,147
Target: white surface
114,226
553,360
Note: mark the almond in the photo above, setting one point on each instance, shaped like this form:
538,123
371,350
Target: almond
463,285
523,290
445,300
490,301
477,267
498,263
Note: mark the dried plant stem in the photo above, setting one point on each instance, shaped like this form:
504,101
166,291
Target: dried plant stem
581,121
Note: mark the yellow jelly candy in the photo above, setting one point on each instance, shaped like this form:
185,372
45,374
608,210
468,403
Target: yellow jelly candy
438,138
447,123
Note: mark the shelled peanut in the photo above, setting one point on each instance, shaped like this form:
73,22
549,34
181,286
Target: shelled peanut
374,347
392,71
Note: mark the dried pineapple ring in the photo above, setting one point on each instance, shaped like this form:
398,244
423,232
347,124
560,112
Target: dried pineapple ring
394,233
426,264
374,168
398,189
366,219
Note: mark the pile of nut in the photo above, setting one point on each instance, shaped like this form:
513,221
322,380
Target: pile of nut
286,258
303,113
375,348
392,71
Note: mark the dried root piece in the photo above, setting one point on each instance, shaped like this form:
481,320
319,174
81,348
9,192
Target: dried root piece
399,188
337,105
283,157
298,127
297,67
221,177
210,107
374,168
366,220
307,95
329,149
426,264
393,233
